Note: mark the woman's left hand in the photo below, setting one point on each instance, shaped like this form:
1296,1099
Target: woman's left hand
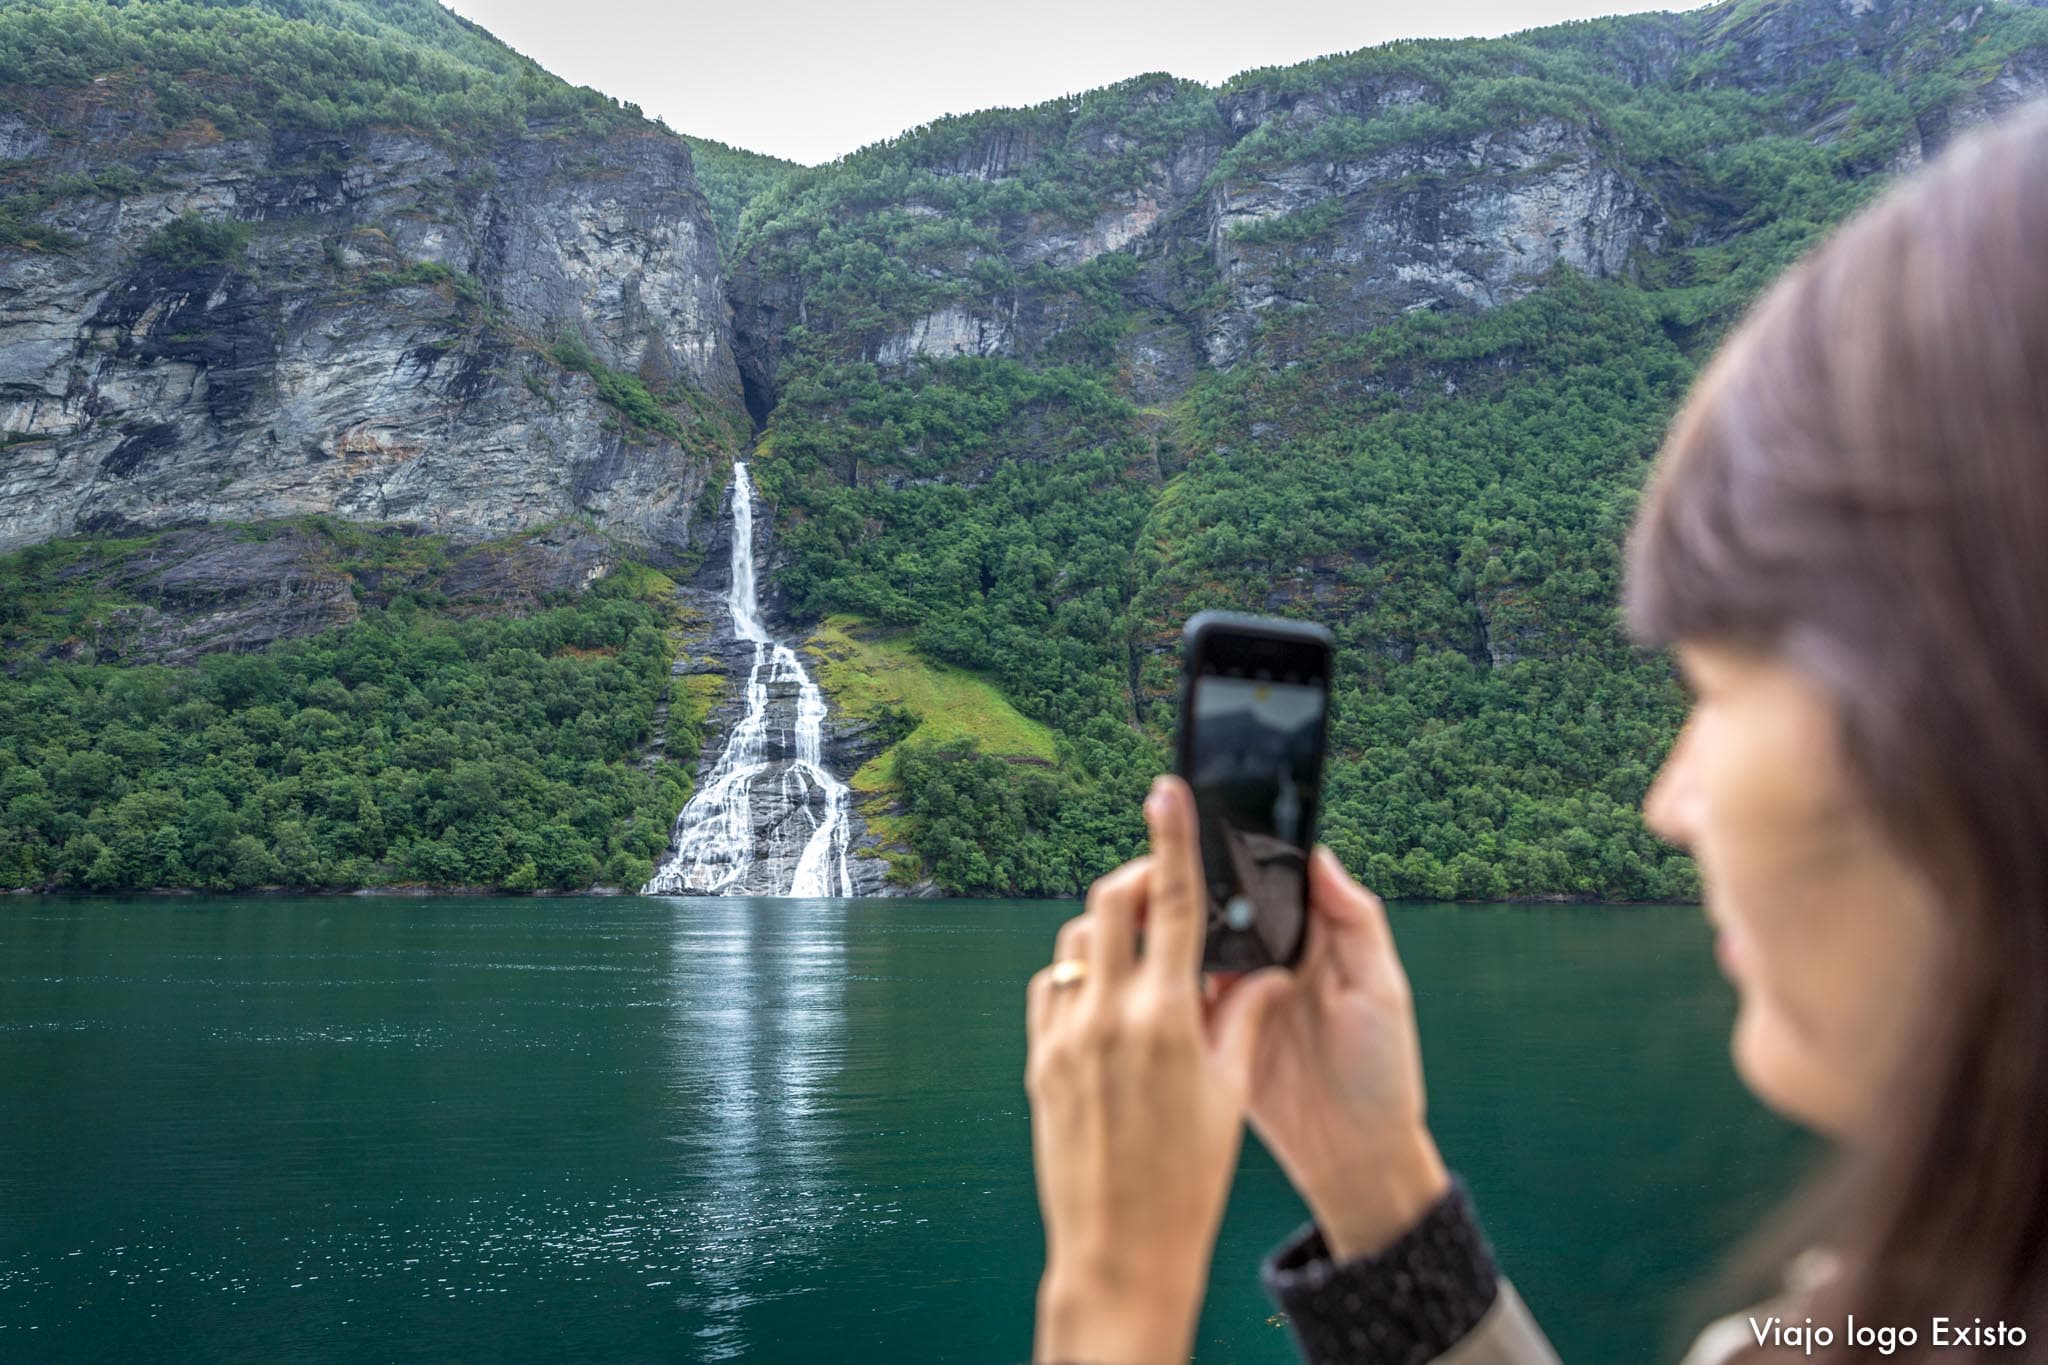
1138,1090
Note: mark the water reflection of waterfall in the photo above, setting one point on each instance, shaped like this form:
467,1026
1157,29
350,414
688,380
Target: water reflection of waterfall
767,792
758,1039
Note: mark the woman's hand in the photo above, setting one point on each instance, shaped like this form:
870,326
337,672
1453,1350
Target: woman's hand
1336,1086
1138,1094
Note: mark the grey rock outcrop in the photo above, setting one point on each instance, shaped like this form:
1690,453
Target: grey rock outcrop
1473,221
221,589
366,332
208,590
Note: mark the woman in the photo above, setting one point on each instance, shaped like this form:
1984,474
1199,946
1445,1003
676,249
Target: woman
1846,541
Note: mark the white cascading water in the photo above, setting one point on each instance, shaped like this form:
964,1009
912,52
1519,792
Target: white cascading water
715,846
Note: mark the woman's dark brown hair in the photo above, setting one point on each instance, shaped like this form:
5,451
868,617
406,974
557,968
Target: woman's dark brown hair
1858,486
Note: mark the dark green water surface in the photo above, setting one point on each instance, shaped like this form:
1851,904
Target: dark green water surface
648,1130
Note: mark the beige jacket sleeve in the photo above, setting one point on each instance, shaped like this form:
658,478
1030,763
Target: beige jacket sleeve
1507,1335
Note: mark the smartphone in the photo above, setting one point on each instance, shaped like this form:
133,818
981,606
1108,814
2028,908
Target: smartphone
1254,719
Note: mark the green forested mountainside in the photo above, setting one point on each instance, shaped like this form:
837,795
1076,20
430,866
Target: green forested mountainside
1496,734
1493,734
422,310
417,745
732,178
905,225
1750,162
1446,486
1385,339
1018,566
330,65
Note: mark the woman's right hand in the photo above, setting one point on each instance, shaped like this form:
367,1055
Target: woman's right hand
1337,1085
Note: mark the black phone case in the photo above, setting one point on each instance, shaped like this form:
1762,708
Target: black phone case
1198,643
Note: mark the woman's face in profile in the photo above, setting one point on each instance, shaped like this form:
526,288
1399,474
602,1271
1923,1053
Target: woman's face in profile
1826,931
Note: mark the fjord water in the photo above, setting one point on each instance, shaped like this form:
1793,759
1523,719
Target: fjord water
770,1130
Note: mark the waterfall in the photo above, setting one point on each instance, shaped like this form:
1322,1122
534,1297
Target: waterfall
769,794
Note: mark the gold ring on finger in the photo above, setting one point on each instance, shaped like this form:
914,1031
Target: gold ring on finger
1069,971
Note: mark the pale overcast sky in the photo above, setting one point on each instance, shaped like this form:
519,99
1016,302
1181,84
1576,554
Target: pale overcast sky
812,79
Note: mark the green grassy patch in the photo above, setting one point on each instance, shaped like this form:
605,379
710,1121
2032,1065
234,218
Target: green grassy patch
697,694
647,584
874,676
193,242
51,593
692,698
432,275
626,393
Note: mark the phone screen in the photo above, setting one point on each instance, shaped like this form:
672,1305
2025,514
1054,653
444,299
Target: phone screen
1255,765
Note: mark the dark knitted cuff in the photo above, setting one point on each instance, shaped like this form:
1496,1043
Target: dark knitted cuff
1409,1304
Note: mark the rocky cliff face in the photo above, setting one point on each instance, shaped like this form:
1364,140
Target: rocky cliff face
248,328
220,328
211,589
1445,222
1346,199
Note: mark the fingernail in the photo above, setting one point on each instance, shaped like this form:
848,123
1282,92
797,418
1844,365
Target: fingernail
1155,799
